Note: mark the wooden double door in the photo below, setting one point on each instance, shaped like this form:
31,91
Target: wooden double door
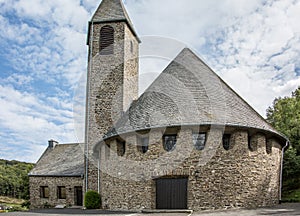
171,193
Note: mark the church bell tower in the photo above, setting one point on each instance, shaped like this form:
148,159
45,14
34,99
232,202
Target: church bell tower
112,80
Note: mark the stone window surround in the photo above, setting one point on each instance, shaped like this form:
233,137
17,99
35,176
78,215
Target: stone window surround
252,143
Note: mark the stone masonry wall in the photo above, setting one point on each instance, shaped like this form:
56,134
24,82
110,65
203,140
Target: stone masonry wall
217,178
53,182
112,81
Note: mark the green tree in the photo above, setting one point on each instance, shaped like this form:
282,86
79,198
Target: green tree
284,116
14,181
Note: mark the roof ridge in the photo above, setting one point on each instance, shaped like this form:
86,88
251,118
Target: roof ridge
60,144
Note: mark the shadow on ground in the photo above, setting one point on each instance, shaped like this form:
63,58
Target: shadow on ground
284,209
79,212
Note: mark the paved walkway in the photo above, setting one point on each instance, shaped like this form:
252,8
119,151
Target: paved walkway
289,209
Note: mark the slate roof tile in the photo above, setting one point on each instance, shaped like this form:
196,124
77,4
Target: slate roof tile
188,92
63,160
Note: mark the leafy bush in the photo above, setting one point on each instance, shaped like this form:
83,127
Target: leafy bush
15,209
26,204
92,200
46,205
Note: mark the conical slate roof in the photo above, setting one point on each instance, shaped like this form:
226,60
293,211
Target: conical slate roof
188,92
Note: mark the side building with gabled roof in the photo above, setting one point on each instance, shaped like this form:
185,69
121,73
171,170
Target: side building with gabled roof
57,178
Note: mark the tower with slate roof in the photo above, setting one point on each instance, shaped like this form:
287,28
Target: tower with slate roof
112,82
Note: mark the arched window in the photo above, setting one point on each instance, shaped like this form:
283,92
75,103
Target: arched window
143,143
226,141
199,140
252,143
107,151
131,46
107,40
169,142
121,145
269,146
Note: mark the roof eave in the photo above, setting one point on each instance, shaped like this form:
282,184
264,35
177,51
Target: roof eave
56,175
280,136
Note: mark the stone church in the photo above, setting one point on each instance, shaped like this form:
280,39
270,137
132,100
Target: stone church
188,142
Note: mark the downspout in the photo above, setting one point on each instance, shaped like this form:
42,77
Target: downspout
87,108
281,170
99,174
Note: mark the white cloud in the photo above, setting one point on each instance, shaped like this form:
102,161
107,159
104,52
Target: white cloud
33,8
31,120
258,54
17,79
254,46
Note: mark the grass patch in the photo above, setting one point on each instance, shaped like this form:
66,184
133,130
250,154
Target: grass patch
13,204
291,196
8,200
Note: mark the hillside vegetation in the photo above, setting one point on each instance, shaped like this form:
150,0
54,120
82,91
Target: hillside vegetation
14,181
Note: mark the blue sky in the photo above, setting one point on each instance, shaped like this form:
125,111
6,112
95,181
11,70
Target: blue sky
253,45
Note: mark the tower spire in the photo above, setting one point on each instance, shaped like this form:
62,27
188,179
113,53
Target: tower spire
112,11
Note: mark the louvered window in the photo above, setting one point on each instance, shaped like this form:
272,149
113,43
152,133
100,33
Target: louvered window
107,40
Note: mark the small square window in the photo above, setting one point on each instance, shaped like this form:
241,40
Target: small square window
169,142
199,140
61,192
44,192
